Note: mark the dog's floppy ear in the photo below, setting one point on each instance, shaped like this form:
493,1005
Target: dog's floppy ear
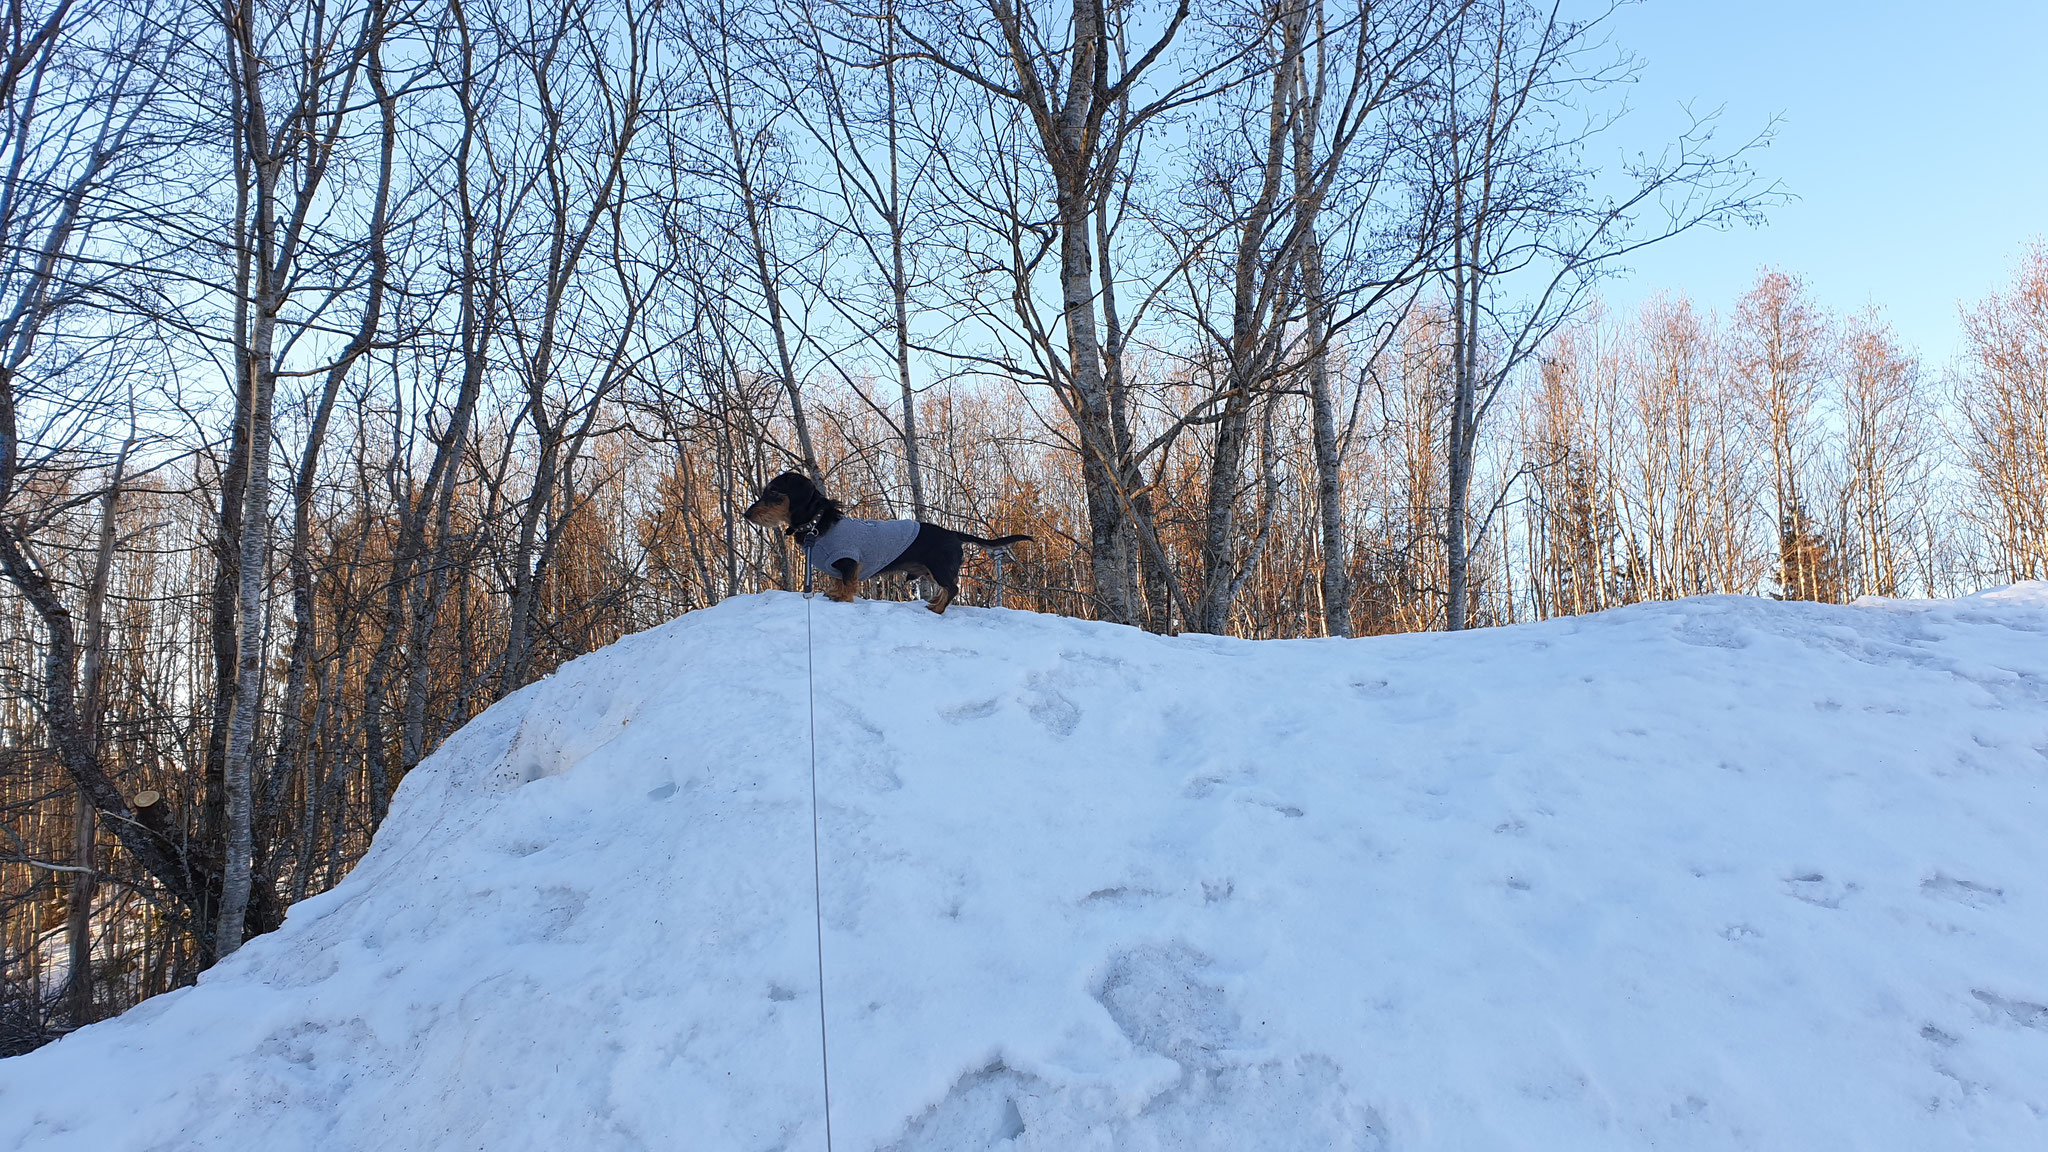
805,501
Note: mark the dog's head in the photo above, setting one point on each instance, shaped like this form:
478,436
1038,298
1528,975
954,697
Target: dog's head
790,501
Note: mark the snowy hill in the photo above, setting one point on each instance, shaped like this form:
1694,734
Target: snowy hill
1723,873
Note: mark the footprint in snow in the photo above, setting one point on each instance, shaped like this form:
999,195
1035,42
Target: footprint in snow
1689,1108
2025,1013
1962,891
1050,707
1207,784
1291,811
923,657
970,710
1712,632
979,1111
1118,896
1819,891
1160,998
1234,782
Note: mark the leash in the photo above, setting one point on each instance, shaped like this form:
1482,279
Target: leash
817,874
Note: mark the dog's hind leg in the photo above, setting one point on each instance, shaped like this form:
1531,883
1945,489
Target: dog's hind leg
918,570
945,572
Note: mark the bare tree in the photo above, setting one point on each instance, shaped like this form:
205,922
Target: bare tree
1291,292
1888,455
1081,78
290,122
1781,357
1349,149
2002,389
1531,224
735,143
292,757
859,103
1572,523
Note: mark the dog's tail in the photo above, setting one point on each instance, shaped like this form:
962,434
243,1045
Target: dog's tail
998,542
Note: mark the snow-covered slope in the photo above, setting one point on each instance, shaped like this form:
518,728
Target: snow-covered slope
1715,874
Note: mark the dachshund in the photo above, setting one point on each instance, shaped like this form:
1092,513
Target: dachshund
848,551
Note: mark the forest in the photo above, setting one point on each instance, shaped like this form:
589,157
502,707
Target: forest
362,361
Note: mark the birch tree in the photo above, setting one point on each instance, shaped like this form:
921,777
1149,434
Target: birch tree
2002,390
1888,458
1532,223
1781,355
293,86
1085,79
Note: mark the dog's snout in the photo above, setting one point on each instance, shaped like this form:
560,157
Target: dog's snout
764,509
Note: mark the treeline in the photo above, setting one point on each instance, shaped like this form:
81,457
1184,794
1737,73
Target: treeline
1784,451
362,361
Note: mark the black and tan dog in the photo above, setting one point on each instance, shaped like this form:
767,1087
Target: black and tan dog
847,551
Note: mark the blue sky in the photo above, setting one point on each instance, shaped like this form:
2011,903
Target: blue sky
1914,135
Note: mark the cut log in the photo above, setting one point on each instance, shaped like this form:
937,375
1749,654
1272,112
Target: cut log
151,811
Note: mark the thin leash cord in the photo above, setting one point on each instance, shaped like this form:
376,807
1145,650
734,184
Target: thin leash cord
817,873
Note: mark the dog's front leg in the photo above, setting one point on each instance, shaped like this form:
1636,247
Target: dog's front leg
841,587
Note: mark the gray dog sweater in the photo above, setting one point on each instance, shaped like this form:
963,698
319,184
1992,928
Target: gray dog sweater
873,544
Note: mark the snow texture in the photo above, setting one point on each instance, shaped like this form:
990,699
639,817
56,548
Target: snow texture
1715,874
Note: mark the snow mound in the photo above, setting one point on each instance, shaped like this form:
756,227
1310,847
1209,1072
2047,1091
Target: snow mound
1721,873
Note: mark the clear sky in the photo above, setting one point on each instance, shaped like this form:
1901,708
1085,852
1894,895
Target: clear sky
1915,136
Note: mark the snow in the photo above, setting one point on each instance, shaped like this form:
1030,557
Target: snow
1716,874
